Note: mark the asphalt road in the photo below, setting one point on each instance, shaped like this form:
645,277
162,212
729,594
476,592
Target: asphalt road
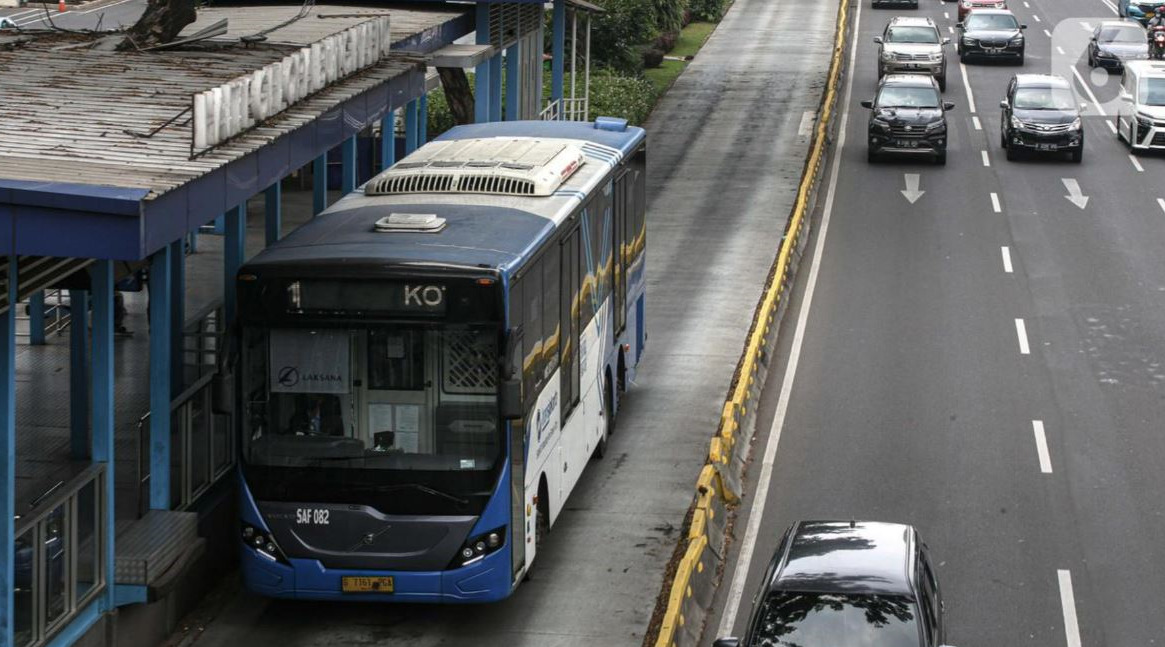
726,147
932,342
99,15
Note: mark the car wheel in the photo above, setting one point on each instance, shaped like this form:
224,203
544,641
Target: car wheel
940,158
1012,154
871,156
942,83
1077,155
1002,138
1020,63
1091,61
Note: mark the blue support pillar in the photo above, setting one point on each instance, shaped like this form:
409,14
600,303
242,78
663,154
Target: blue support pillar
422,120
481,84
410,126
79,374
348,156
514,82
234,248
160,356
495,91
272,203
8,460
36,318
193,238
101,278
388,140
558,50
319,184
219,226
177,316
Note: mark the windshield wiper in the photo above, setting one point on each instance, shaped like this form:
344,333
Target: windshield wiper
412,486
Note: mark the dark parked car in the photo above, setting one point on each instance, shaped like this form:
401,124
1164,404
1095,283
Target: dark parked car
909,4
908,117
1114,42
1041,113
991,33
847,583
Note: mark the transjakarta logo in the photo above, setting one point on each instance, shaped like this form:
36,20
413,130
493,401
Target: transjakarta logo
289,376
424,295
546,415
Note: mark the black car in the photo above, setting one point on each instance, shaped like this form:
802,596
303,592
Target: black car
847,583
1041,113
1114,42
991,33
909,4
908,117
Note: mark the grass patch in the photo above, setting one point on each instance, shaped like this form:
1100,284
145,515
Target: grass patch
692,38
663,76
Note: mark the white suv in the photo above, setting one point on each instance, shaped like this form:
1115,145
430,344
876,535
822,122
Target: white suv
1140,117
910,45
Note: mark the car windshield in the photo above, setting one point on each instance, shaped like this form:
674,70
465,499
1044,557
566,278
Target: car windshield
1127,34
1044,98
907,97
1152,92
790,619
926,35
991,22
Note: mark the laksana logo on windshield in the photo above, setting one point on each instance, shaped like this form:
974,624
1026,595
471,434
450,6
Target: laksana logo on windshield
424,296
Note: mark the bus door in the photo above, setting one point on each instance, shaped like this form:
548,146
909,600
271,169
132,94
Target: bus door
398,374
618,228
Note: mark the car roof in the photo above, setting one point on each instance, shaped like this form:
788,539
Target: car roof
910,80
911,21
1146,68
1131,24
993,12
1049,80
847,557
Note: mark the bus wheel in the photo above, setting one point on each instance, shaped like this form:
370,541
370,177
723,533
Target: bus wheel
542,519
608,420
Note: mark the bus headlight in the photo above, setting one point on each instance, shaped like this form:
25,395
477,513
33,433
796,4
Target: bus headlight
263,543
475,548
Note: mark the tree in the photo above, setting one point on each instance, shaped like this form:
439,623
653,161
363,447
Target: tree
160,23
458,94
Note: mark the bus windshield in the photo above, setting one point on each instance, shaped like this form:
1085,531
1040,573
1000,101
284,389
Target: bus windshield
371,406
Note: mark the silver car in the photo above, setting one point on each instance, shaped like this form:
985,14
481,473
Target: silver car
912,45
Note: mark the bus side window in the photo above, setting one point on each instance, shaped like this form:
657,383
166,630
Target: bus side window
638,205
551,286
569,322
531,331
588,296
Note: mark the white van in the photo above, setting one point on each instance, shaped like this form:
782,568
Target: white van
1140,117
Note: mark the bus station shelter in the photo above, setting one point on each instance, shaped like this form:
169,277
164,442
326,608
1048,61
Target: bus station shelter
110,165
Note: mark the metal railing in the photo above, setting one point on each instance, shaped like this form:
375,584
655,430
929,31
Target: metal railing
202,447
60,565
56,313
567,109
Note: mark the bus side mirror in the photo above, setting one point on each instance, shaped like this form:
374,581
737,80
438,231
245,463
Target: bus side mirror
510,389
222,394
510,399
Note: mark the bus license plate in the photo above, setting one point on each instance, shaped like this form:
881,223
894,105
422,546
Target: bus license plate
356,584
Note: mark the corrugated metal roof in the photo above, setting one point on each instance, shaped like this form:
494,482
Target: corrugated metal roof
69,114
320,21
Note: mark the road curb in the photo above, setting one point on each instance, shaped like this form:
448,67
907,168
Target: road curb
690,585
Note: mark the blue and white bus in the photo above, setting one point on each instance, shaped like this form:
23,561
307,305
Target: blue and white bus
423,371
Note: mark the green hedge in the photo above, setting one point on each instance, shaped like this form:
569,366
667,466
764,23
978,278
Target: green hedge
620,32
707,10
669,14
629,97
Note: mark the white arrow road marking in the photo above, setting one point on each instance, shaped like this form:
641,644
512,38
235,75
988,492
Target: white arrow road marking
1074,195
912,194
1086,26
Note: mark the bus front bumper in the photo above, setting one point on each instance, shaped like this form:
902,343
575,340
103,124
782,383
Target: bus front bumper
487,580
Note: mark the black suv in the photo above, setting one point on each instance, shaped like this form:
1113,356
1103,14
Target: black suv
1041,113
909,117
847,583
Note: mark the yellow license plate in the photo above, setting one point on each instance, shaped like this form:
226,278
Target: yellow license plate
354,584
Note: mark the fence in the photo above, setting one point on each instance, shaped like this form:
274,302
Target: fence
202,445
58,556
56,313
721,480
568,109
